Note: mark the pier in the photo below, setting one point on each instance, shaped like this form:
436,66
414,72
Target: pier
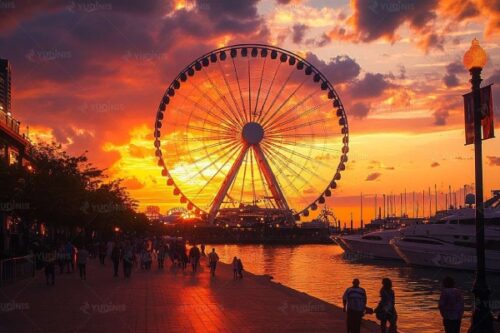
164,301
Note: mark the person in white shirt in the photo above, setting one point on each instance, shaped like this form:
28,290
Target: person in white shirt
354,301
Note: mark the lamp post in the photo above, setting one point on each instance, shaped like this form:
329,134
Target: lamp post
482,319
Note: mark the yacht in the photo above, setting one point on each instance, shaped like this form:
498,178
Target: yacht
374,245
450,242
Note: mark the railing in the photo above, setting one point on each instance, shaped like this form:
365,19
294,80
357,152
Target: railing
15,269
10,122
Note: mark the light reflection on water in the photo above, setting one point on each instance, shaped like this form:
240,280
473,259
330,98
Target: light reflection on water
325,271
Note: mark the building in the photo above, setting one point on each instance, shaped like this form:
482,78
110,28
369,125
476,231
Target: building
14,148
13,144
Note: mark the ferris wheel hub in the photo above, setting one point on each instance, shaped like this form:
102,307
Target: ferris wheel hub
252,133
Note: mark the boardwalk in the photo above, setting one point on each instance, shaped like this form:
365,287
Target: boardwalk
168,301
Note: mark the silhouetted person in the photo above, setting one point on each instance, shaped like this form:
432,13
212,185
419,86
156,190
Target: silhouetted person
115,258
235,267
70,257
50,266
213,258
203,250
161,255
81,260
128,261
102,252
194,257
386,309
354,301
61,258
451,306
240,268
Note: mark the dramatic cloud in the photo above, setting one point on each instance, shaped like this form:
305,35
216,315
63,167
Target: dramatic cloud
428,21
373,176
435,164
359,110
450,79
494,160
298,32
440,117
340,69
372,85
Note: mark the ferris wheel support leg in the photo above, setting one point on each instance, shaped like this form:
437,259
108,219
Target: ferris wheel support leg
271,180
226,184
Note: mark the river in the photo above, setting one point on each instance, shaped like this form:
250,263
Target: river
324,271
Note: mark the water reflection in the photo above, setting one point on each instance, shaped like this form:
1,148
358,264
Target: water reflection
325,271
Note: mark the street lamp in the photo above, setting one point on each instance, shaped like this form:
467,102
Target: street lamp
482,320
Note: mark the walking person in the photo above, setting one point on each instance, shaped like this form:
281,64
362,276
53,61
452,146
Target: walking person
50,266
354,301
81,260
61,258
386,308
451,306
235,268
213,258
194,257
128,260
115,258
203,250
240,268
161,255
102,252
70,251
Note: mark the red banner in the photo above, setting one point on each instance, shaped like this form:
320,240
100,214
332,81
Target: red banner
487,115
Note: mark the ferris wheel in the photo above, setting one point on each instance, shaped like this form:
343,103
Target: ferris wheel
251,126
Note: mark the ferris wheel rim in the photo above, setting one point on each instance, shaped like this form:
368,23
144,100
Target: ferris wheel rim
204,61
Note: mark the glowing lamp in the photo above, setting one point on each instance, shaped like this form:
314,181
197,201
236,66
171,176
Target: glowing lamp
475,57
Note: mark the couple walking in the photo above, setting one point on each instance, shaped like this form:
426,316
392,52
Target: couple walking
354,301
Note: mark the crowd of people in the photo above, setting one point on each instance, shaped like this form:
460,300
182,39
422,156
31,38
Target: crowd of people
127,252
451,307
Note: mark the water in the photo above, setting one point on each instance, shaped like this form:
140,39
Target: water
324,271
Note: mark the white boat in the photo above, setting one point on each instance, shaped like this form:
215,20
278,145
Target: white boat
450,242
373,245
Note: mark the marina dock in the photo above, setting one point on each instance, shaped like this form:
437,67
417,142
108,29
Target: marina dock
164,301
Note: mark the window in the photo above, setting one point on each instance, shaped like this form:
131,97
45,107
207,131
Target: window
421,241
371,237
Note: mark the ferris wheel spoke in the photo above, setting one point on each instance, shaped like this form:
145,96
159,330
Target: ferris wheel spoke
274,186
239,89
262,120
249,91
290,161
205,147
264,186
241,115
211,130
208,111
220,157
260,86
230,176
298,126
224,99
305,157
253,178
244,176
275,124
284,166
207,138
219,170
268,92
266,121
301,144
206,96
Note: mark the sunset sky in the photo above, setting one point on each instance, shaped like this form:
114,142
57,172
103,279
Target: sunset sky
90,75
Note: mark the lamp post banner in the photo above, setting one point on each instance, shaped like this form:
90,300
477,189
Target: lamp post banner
487,115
